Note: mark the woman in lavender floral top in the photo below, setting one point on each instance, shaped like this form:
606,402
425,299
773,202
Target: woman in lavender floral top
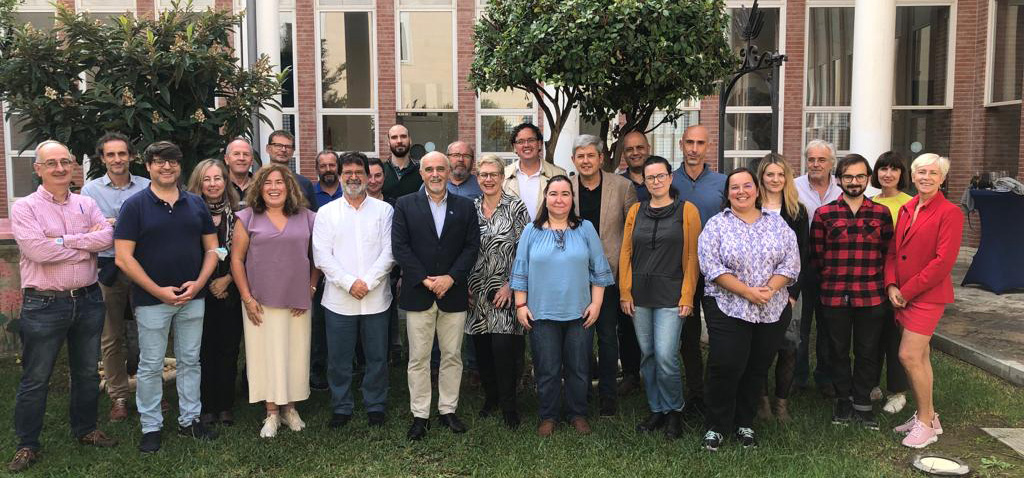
748,258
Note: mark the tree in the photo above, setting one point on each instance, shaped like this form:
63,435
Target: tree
606,57
173,78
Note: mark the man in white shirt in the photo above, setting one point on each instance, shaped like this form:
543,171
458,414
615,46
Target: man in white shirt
815,189
352,246
527,177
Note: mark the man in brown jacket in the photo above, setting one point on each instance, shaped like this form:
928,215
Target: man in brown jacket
603,199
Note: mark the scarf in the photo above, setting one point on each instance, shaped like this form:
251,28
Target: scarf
227,221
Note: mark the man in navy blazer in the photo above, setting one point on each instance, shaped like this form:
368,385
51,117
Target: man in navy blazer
435,238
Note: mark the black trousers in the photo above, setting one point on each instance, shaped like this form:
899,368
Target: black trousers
629,348
739,357
689,347
895,374
606,331
864,326
810,314
218,352
499,358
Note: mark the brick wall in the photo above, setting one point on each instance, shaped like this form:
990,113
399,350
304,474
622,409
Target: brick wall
386,87
3,168
709,118
305,79
465,17
792,97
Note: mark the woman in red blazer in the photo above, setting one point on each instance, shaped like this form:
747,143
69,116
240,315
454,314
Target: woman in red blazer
917,277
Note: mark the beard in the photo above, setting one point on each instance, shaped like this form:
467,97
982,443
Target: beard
460,173
355,189
853,190
399,150
329,179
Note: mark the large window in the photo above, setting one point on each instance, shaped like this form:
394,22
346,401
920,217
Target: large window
499,112
921,96
748,114
665,137
347,90
425,52
1006,51
829,63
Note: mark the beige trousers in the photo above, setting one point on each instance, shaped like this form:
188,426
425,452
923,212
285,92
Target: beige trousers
112,342
421,327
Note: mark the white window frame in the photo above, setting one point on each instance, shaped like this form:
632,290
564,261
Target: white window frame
480,113
164,5
990,58
293,110
398,56
372,111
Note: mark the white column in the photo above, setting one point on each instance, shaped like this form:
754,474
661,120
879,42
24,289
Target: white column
874,58
268,42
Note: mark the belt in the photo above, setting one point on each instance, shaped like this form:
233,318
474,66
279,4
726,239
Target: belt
60,294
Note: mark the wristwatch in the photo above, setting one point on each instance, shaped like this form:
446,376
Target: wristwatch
59,241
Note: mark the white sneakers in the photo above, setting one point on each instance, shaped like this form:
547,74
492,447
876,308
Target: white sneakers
291,418
270,426
895,403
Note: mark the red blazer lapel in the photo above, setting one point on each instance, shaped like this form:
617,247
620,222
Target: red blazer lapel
926,215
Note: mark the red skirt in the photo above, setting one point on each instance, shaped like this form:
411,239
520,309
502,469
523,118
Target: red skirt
920,317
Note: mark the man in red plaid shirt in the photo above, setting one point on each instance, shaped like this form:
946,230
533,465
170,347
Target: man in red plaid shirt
849,239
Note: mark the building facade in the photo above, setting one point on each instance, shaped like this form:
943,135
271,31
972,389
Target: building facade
360,66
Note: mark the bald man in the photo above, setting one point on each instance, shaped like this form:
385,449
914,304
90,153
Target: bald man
635,150
401,172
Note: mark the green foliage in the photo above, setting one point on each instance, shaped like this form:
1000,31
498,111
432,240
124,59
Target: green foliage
607,57
173,78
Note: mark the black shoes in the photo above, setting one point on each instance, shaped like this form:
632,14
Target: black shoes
418,430
653,422
319,385
608,407
746,437
488,409
198,430
452,422
843,412
150,442
712,440
376,419
674,425
339,420
511,419
866,418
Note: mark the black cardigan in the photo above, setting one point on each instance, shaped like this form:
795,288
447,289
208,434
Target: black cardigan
799,226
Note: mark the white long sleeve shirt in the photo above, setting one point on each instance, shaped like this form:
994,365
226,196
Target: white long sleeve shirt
351,244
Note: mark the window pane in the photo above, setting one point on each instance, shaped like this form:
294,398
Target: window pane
122,5
922,50
341,3
430,131
1002,138
428,3
752,89
39,20
749,162
288,123
921,131
426,60
831,127
748,131
1008,51
829,56
495,131
16,141
665,138
346,75
24,176
349,133
287,53
506,99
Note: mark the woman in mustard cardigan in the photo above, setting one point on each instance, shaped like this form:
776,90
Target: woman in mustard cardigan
659,258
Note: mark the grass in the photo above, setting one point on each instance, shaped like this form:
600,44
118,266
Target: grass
809,447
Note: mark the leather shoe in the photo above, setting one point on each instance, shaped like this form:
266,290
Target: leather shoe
674,425
581,425
23,459
118,410
488,409
511,419
98,439
376,419
452,422
608,407
418,430
339,420
653,422
208,419
227,418
546,428
630,384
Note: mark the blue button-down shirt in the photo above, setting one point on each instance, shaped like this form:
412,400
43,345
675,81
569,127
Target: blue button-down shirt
322,197
469,188
110,197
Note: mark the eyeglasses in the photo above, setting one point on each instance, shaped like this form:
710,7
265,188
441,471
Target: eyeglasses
489,175
656,178
159,162
352,174
282,146
460,155
520,142
849,178
52,164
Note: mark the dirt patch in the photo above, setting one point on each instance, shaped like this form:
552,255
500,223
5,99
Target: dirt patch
986,456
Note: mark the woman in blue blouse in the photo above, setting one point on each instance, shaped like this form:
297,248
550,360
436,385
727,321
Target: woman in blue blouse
748,258
559,276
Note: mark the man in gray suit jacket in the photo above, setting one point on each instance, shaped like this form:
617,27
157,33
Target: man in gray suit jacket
604,200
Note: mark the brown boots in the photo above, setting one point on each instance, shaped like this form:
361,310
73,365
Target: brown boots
782,410
779,410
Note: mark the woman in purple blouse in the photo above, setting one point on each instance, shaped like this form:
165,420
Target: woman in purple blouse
748,258
270,262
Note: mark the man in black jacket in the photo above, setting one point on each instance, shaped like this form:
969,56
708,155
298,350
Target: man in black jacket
434,238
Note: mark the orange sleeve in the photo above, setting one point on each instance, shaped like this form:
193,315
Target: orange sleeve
691,269
626,256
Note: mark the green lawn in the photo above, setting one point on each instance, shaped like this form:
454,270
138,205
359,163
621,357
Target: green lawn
809,447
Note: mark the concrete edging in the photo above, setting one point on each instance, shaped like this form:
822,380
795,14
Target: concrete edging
1011,372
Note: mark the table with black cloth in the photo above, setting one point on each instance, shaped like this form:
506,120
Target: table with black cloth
998,266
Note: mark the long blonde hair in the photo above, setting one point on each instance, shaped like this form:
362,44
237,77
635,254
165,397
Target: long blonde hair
790,198
195,182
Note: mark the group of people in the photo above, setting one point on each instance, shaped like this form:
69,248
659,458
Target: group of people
312,276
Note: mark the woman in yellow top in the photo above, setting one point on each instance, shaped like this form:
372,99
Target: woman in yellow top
658,272
892,178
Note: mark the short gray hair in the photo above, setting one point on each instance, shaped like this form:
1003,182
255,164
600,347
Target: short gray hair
820,143
584,140
928,159
491,159
49,142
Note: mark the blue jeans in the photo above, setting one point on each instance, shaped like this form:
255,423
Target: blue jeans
657,331
557,346
45,323
155,322
341,348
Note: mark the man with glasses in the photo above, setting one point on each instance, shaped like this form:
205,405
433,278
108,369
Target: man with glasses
110,191
462,181
166,243
281,149
849,239
59,235
352,246
527,177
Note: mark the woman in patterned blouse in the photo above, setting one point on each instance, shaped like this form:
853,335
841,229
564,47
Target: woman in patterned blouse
748,257
492,323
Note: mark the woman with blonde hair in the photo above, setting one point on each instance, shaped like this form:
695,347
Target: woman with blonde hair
273,268
779,195
222,320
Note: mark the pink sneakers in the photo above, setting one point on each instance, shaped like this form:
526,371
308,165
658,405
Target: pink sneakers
920,436
909,425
